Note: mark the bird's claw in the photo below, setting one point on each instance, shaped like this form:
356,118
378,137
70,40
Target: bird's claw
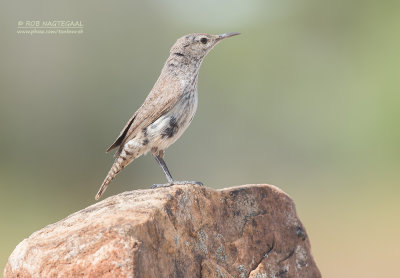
159,185
176,183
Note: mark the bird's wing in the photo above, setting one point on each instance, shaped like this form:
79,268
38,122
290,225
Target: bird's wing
161,99
122,135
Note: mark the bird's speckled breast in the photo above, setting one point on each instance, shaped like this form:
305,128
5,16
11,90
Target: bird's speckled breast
169,127
163,132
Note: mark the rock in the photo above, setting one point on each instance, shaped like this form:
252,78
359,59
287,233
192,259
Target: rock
180,231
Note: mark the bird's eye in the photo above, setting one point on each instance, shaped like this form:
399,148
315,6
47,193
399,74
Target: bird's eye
203,40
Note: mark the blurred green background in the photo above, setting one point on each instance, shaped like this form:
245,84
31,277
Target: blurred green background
307,98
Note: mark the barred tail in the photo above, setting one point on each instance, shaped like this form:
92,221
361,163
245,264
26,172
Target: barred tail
115,169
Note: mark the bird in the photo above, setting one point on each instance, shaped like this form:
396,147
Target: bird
167,110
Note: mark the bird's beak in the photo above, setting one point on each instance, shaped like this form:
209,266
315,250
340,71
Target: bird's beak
226,35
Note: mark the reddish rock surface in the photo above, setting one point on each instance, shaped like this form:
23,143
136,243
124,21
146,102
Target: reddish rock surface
180,231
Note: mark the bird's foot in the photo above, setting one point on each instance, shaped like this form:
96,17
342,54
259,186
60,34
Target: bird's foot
188,182
176,183
159,185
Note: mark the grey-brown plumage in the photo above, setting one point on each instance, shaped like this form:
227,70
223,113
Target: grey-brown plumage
168,109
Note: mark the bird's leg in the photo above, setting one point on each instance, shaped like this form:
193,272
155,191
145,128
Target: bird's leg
159,157
161,162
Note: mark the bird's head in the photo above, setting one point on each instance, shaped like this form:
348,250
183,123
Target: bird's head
196,46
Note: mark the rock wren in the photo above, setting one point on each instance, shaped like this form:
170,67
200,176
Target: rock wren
168,109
